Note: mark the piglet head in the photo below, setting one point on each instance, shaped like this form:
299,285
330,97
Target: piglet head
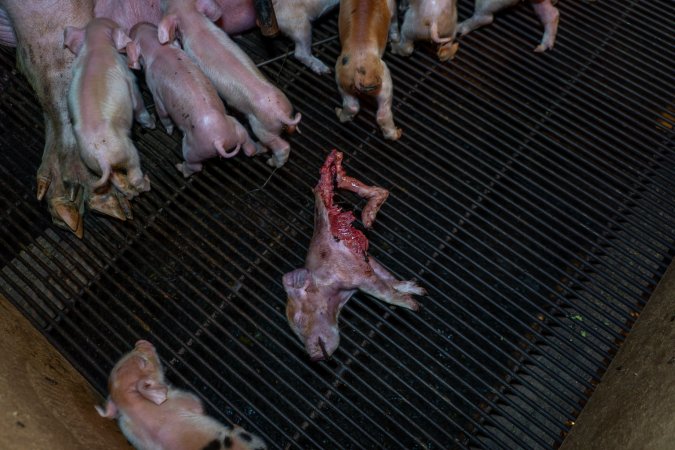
312,314
138,376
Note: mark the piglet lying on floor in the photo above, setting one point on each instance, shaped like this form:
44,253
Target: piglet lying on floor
155,416
185,96
338,265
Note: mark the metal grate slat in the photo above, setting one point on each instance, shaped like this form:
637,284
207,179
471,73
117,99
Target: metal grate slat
532,195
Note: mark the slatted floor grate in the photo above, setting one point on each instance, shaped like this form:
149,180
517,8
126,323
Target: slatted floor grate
532,195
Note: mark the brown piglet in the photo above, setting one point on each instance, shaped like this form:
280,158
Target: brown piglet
359,70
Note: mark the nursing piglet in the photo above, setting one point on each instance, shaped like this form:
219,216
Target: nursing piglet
102,101
232,72
484,11
433,20
155,416
338,265
185,96
359,69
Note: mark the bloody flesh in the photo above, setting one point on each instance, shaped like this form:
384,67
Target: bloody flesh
340,221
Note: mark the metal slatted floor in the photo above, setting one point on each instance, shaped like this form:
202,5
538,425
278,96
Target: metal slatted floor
532,195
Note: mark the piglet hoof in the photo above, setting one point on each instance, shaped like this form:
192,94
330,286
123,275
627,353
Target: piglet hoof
318,67
409,287
447,53
127,188
187,169
259,149
279,157
147,120
392,134
342,116
402,49
276,162
541,48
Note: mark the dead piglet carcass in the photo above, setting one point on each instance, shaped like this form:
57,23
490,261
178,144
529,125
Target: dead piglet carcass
232,72
484,11
359,69
338,265
426,20
154,415
295,21
102,100
184,95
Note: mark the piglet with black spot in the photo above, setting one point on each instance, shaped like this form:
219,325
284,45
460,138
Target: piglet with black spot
338,265
155,416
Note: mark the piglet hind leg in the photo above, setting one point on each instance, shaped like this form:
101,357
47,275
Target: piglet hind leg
385,118
140,112
301,33
405,45
483,14
279,147
376,195
549,17
384,286
350,107
163,115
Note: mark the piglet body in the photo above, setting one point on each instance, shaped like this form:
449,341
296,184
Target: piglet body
232,72
433,20
155,416
184,95
484,11
360,70
338,265
102,101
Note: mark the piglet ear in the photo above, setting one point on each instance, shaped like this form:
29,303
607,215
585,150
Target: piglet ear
110,411
133,55
297,279
73,39
166,30
209,9
120,38
152,390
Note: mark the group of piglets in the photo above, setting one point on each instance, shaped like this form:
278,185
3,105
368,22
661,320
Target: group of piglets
156,416
366,25
189,64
